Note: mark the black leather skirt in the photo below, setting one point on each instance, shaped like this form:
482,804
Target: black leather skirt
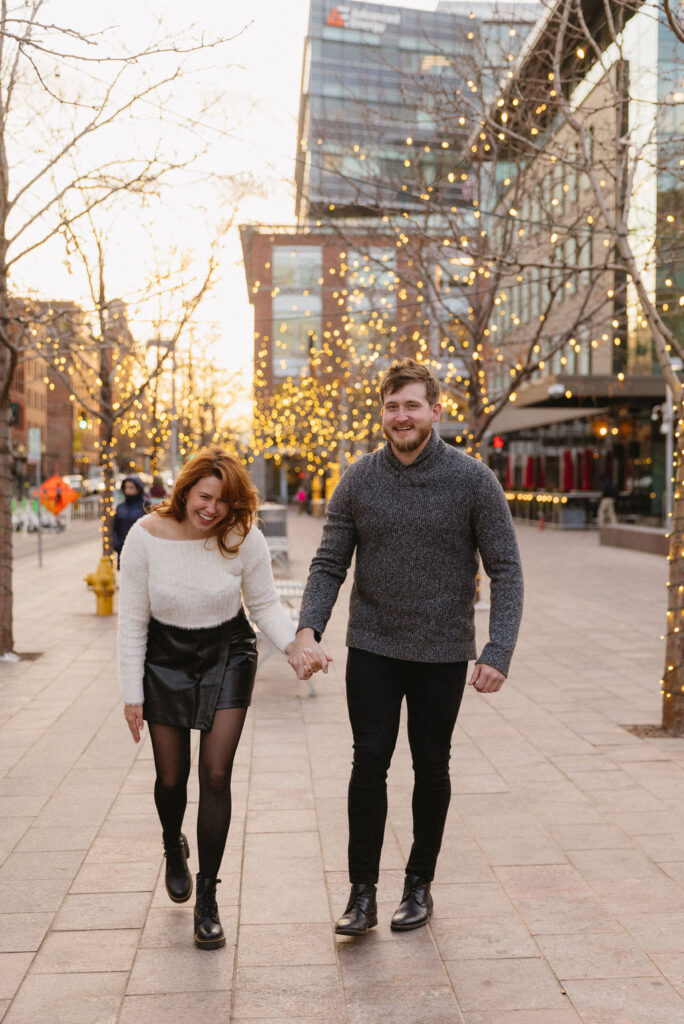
191,673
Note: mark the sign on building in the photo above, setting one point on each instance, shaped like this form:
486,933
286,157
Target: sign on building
362,19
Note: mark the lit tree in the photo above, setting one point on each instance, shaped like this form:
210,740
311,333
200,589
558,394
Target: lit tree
61,154
326,414
637,185
209,396
463,263
592,108
106,368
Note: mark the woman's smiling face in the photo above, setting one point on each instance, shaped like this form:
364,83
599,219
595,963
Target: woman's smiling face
205,506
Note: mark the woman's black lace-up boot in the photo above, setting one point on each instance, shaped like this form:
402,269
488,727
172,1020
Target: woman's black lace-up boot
178,879
208,929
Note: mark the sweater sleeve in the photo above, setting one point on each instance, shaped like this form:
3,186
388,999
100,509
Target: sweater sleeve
259,591
498,546
331,562
134,614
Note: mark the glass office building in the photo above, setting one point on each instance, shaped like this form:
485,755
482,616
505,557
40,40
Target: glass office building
374,76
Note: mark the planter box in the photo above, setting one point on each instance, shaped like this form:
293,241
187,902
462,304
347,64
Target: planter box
651,539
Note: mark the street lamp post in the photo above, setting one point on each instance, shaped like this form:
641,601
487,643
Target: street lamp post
170,346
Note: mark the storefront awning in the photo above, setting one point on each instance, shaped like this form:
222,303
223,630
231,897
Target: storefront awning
513,419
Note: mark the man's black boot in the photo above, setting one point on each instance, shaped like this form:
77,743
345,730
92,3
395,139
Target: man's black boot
178,879
361,913
415,907
208,929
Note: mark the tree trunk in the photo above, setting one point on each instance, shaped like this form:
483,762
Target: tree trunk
6,634
673,675
107,498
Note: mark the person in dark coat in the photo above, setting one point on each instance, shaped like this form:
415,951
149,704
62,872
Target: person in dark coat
128,511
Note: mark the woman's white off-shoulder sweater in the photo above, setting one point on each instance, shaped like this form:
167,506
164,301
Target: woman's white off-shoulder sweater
190,583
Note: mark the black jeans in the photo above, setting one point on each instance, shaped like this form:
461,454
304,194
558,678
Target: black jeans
376,687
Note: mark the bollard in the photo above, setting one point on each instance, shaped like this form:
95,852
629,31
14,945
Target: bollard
103,583
541,520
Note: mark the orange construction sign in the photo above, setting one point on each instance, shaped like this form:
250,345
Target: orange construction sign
55,494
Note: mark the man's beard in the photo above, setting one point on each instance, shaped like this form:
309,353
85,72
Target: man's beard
408,446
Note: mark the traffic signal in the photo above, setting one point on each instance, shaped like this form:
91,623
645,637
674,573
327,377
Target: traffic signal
82,420
497,442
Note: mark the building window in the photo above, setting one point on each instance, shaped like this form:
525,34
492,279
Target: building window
297,267
295,308
584,359
587,244
574,247
574,175
296,330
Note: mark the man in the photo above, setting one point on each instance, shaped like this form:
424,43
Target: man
416,511
606,507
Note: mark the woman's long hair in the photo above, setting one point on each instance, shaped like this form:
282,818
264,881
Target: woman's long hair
236,489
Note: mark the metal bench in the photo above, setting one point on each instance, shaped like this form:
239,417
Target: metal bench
279,550
273,524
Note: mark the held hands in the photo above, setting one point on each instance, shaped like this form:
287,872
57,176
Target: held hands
486,679
133,713
306,655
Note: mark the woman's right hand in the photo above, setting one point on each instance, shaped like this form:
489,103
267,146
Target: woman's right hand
305,655
133,713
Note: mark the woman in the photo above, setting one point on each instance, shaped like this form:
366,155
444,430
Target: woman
187,654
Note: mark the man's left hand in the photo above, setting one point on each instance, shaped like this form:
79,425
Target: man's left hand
486,679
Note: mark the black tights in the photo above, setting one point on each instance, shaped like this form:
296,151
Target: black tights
171,746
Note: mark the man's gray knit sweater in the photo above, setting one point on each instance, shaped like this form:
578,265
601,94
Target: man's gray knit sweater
417,530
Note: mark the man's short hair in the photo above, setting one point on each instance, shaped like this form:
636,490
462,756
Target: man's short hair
408,371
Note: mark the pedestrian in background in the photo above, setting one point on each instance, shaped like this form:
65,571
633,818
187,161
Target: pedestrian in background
417,512
300,498
606,506
128,511
187,654
157,490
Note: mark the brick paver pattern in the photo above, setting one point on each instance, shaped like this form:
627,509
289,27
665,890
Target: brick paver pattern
559,894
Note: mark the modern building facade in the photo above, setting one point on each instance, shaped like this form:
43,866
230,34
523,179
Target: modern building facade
375,76
595,407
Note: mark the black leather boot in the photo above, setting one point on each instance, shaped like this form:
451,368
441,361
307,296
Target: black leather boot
361,913
178,879
415,907
208,929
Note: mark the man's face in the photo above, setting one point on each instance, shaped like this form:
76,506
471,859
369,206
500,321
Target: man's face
407,418
130,489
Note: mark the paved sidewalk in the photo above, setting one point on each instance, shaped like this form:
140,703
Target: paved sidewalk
560,888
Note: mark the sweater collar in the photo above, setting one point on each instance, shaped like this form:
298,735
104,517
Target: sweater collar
424,460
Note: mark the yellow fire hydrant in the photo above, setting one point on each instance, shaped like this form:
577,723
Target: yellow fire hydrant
103,583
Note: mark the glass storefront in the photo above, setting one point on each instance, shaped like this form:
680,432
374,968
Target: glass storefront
624,444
